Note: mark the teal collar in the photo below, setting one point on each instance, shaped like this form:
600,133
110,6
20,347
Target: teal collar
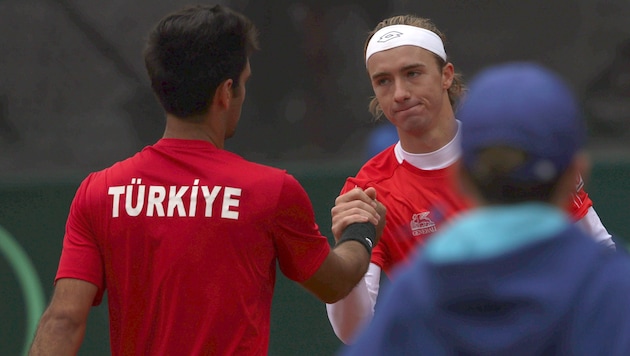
492,231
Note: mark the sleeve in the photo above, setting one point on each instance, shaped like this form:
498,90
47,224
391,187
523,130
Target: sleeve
593,226
356,310
80,255
393,330
580,201
300,245
350,184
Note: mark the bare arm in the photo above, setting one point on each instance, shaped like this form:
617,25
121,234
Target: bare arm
62,326
341,271
346,264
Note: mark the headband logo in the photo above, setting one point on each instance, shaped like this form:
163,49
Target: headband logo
389,36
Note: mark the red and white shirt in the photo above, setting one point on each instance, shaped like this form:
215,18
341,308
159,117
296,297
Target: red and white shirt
419,200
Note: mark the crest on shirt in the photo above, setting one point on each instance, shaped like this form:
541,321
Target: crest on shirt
421,224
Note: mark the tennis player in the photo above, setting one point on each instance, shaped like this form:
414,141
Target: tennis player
515,275
417,88
184,236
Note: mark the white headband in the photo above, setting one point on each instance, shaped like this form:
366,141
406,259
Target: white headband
402,35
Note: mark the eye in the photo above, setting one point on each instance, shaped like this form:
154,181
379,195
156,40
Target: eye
413,74
382,81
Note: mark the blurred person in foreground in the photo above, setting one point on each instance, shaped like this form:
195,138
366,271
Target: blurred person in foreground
417,89
513,276
185,236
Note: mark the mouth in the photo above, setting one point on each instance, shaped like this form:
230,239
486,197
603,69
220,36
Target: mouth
405,108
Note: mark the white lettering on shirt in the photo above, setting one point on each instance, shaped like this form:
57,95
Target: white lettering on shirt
174,201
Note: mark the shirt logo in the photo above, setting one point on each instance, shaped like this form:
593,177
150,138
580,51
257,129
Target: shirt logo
421,224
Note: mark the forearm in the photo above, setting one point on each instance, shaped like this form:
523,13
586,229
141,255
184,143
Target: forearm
355,262
57,335
592,224
356,310
351,260
351,313
345,265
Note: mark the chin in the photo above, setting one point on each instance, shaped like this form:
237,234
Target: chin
230,134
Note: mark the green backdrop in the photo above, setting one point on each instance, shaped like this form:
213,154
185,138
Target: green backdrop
34,213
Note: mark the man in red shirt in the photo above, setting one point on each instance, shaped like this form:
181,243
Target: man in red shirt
513,275
416,88
185,236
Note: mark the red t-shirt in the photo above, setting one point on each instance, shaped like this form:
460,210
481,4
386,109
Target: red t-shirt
185,238
418,202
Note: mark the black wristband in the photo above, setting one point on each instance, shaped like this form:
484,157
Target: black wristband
361,232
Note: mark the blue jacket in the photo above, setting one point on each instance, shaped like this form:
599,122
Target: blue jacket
519,280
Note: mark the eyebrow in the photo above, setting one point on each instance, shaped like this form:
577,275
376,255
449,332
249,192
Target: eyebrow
403,69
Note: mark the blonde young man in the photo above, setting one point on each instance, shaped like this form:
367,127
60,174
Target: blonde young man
416,88
514,275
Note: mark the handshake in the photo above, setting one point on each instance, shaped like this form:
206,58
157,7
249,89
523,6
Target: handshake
358,216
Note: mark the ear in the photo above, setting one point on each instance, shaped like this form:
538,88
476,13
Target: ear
448,73
223,94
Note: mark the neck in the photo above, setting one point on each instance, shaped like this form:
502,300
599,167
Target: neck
439,158
192,129
438,133
431,139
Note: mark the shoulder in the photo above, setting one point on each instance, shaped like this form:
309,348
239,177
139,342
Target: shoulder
265,177
99,179
606,265
272,182
263,169
378,168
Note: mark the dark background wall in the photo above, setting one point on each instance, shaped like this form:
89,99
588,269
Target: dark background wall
74,98
74,95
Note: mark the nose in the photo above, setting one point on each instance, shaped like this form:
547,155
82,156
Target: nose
401,92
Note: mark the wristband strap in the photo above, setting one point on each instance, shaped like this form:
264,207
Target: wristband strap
362,232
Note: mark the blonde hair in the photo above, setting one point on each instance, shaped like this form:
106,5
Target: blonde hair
457,87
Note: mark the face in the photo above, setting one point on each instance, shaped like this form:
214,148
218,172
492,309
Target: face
236,102
410,87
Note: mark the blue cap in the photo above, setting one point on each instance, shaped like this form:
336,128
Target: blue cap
527,107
